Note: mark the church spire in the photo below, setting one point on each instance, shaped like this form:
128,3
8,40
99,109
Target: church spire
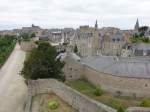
96,25
136,28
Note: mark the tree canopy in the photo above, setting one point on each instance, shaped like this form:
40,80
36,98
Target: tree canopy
139,39
33,35
75,49
42,63
7,44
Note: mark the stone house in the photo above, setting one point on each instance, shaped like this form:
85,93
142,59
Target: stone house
92,41
141,49
88,40
112,44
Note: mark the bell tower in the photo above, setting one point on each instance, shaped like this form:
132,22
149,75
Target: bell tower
95,40
96,25
136,28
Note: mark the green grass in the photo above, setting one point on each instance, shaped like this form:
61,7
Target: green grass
82,86
106,98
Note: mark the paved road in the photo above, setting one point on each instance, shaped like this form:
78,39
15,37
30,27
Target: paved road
12,87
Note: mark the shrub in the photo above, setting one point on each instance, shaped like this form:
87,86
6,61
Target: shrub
119,93
120,109
75,49
98,91
145,103
53,105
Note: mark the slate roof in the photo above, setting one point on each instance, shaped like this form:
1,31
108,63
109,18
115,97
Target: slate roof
62,56
124,67
118,35
141,47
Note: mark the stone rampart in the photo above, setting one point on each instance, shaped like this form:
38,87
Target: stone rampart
69,95
138,109
125,86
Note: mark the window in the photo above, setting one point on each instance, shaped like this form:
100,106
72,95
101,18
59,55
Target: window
118,39
146,85
113,40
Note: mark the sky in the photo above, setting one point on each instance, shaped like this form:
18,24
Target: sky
73,13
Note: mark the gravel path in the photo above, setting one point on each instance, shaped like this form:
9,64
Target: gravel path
12,87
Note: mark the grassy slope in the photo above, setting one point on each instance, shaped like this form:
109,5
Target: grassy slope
108,99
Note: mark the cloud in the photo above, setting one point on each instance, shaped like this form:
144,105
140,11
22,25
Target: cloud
67,13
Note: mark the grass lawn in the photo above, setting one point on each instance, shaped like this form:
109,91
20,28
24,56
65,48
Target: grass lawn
108,99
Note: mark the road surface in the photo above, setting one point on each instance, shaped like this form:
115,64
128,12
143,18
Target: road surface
12,87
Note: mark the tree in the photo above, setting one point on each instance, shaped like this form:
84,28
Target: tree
75,49
7,44
143,30
25,36
33,35
120,109
42,63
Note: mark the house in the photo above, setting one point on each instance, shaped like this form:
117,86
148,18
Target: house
112,43
141,49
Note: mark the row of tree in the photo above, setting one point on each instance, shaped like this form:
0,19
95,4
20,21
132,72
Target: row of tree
26,36
7,44
139,39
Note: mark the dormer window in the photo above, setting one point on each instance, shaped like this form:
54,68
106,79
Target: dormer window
118,39
113,40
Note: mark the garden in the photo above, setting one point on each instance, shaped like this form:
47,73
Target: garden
116,102
50,103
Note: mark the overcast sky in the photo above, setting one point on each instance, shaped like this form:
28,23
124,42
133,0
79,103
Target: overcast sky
73,13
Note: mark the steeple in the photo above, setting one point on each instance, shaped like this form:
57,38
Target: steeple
136,28
96,25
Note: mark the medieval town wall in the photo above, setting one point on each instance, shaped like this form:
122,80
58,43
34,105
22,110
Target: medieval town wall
125,86
69,95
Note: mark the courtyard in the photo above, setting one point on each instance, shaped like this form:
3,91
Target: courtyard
41,104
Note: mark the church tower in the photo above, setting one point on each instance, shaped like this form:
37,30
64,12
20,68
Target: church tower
96,25
136,28
95,40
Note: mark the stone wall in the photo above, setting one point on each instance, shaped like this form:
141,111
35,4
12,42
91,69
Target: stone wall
138,109
73,69
124,86
69,95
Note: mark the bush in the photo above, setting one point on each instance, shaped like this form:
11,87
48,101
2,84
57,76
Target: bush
120,109
98,91
75,49
53,105
145,103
